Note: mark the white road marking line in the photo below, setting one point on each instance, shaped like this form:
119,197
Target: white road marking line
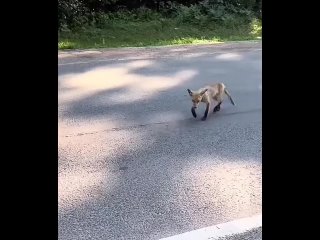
221,230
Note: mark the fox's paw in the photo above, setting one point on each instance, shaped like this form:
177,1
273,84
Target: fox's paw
203,118
216,109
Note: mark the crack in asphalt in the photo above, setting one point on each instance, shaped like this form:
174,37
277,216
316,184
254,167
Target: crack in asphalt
116,129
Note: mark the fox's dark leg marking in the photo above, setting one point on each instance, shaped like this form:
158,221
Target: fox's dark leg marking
193,112
217,108
206,112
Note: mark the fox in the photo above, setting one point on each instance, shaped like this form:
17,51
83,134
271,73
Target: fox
216,92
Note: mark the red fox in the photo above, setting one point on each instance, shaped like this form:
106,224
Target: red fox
206,95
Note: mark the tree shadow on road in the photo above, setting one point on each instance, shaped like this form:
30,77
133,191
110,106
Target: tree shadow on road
160,187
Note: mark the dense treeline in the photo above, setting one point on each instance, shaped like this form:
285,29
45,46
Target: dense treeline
73,14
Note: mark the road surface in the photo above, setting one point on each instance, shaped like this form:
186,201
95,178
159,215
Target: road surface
134,163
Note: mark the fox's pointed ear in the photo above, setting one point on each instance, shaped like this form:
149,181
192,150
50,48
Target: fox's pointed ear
203,92
189,91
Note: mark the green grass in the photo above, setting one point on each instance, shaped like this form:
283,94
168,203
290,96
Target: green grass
156,33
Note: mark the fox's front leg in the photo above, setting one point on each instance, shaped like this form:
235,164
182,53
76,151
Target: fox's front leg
206,112
193,110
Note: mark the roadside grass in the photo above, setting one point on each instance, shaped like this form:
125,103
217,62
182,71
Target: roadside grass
119,33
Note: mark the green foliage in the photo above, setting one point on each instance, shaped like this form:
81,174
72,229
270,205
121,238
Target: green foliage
156,32
79,14
216,11
119,23
71,14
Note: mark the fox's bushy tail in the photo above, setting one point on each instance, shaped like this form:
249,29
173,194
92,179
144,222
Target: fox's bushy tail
229,96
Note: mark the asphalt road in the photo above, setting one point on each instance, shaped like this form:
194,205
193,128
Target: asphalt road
134,163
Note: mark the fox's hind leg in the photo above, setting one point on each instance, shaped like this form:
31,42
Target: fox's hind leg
217,107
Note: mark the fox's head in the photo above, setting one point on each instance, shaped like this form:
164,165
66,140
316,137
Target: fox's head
196,97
